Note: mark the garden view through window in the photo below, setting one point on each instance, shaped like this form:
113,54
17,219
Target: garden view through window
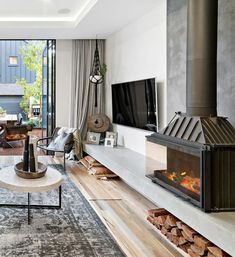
24,85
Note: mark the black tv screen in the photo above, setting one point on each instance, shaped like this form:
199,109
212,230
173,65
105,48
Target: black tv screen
134,104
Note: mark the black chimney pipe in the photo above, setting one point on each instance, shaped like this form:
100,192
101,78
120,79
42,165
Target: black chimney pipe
202,58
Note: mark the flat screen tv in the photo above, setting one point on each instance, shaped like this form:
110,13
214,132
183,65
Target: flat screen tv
134,104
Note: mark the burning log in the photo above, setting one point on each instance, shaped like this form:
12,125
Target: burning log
183,179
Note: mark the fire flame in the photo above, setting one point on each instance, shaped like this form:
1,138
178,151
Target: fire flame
186,181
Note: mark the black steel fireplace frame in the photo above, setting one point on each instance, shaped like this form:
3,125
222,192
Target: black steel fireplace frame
193,148
208,202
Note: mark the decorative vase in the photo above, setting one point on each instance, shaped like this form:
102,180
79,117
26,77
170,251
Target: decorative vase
33,140
31,159
26,155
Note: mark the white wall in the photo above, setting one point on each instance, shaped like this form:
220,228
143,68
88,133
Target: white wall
63,81
136,52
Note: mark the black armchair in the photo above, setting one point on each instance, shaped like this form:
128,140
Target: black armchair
61,143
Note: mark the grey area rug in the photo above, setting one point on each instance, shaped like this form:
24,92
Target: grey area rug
75,230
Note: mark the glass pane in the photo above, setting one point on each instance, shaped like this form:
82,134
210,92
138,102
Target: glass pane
182,172
13,60
51,47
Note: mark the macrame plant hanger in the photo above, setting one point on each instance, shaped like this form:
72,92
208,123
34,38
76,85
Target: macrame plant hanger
96,76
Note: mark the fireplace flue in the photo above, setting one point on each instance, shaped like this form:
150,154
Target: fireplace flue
199,145
201,75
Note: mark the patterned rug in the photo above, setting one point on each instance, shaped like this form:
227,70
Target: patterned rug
75,230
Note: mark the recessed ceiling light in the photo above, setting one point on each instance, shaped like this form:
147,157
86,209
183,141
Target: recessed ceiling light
64,11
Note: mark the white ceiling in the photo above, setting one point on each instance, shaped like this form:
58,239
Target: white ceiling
38,9
68,19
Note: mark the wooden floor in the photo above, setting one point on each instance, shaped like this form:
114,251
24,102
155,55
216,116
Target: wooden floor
122,210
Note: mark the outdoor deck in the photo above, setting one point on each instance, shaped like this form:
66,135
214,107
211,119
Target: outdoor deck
18,146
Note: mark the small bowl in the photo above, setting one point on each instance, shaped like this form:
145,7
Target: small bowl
30,175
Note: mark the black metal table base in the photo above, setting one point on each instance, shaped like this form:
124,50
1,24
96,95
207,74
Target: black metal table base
34,206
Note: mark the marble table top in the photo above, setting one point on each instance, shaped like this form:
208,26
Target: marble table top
9,180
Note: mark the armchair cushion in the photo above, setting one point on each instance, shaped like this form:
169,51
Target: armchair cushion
60,141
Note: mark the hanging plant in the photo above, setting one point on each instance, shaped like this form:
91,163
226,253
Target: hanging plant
103,69
97,71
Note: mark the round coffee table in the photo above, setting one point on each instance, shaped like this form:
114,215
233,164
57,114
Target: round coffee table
51,180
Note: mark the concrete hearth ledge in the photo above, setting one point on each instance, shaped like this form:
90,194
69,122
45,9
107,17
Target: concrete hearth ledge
131,167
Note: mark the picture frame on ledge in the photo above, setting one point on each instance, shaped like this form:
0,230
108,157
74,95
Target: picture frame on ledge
109,142
113,135
93,138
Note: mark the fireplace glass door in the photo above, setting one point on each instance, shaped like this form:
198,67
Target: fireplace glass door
182,173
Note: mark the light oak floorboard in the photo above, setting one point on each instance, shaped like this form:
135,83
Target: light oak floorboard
124,212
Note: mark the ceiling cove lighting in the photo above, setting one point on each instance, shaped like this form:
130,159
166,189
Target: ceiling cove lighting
36,19
76,18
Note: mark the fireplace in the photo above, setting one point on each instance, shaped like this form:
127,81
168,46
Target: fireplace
199,146
199,161
182,173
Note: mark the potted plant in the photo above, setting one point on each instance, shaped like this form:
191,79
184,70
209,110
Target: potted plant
2,112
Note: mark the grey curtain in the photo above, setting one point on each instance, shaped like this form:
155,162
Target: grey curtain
83,92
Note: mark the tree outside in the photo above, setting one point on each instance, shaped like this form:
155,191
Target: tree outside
32,54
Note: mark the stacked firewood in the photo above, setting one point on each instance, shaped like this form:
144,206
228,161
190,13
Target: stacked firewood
182,235
97,169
